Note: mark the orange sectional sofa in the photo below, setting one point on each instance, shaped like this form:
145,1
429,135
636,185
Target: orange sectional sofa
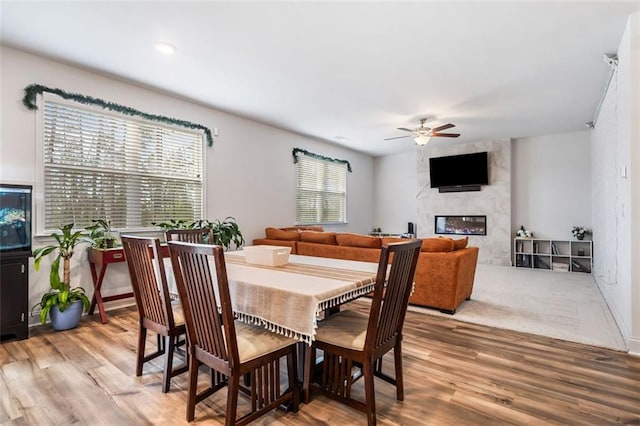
444,275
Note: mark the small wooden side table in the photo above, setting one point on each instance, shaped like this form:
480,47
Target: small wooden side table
99,259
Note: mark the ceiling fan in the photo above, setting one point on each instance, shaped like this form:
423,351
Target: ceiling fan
422,134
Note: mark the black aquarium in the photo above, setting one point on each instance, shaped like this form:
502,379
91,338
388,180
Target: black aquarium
15,218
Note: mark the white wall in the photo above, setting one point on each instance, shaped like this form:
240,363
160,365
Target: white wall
551,184
634,178
616,198
250,172
395,192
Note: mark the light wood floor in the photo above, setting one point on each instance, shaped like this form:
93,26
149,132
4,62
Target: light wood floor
455,374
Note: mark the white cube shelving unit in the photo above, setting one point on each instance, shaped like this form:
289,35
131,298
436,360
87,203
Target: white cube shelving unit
553,255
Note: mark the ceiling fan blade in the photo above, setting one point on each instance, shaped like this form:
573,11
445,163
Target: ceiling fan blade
443,127
397,137
405,129
445,135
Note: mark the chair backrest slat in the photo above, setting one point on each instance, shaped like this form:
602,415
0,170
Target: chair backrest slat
196,235
389,305
197,289
148,279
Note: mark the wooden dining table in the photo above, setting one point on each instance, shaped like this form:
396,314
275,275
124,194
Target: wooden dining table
290,299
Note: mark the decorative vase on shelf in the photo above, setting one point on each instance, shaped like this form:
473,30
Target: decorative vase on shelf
580,237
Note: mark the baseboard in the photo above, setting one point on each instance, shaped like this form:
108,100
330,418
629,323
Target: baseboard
634,346
617,317
34,319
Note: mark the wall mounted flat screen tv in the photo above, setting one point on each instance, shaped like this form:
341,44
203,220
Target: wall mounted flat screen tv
459,170
15,218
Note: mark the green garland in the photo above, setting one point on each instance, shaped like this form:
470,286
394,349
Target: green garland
297,151
30,93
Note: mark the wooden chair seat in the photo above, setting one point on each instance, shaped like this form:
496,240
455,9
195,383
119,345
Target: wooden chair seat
255,342
347,329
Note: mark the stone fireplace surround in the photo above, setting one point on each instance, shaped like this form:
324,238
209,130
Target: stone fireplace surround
492,201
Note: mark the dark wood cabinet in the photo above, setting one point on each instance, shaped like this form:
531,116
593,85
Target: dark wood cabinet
14,296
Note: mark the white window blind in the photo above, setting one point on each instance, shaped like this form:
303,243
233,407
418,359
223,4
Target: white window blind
321,191
110,166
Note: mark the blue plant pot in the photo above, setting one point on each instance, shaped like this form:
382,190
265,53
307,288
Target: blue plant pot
69,318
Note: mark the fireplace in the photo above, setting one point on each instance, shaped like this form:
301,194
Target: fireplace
461,225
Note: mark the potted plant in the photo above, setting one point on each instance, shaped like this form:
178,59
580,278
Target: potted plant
63,304
175,224
100,234
524,233
226,232
579,232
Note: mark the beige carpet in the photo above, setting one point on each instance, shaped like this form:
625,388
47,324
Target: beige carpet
561,305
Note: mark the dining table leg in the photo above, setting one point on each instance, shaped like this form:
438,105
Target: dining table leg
301,352
302,348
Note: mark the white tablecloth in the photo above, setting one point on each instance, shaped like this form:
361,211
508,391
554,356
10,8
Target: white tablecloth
288,299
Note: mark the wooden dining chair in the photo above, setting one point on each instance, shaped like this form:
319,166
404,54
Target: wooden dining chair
196,235
156,312
231,349
356,342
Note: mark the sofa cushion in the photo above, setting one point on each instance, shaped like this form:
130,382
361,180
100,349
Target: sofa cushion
389,240
316,228
338,252
433,245
461,243
279,234
318,237
355,240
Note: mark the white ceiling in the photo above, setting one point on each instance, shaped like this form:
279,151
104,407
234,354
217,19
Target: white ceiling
356,69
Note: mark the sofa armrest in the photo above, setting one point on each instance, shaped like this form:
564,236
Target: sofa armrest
467,271
445,280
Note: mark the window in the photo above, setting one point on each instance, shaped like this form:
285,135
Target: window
100,165
321,191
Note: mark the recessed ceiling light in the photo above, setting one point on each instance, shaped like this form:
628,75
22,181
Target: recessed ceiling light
165,48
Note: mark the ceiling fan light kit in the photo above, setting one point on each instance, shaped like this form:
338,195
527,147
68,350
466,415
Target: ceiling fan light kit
421,139
422,135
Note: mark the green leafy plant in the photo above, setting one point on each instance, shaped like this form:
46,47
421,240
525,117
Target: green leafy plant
225,232
100,234
60,294
175,224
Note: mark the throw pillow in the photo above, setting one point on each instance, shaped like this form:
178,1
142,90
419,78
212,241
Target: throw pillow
355,240
437,245
461,243
279,234
318,237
